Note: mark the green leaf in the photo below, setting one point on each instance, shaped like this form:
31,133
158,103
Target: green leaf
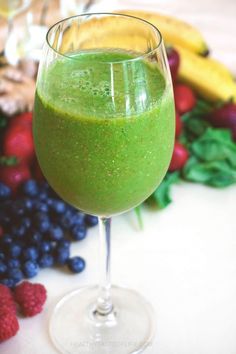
216,173
3,121
137,211
8,161
194,122
215,145
162,196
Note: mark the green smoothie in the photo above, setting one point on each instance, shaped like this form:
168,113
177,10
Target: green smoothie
103,129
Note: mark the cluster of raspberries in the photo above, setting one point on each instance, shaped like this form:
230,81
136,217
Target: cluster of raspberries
27,298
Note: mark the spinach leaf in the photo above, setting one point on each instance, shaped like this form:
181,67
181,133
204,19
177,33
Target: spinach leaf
213,160
161,197
215,145
216,173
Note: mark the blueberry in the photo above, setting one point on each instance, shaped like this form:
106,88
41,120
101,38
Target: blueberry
42,222
64,243
19,231
43,196
67,220
30,269
79,232
36,237
2,256
28,203
45,247
56,233
5,220
30,188
50,202
78,218
58,206
53,245
44,187
76,264
3,268
41,206
18,208
15,274
39,216
62,255
5,192
14,250
7,240
31,254
26,222
46,261
13,263
10,283
91,220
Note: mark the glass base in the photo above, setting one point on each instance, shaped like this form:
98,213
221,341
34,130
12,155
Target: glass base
75,328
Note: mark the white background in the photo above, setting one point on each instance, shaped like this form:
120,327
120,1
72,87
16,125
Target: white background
184,261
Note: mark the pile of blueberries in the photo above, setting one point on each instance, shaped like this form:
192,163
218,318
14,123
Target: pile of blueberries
36,230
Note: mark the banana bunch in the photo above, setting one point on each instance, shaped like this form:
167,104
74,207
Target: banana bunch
210,78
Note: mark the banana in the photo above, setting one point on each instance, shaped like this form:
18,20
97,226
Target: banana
217,65
174,31
210,80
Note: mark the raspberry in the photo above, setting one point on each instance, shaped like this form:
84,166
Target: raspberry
9,325
30,297
6,300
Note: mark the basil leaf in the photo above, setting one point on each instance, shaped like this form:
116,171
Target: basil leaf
161,197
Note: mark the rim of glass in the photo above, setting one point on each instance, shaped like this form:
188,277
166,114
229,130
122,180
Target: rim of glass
139,57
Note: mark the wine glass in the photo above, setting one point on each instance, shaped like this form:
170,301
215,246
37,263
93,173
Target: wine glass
104,133
10,8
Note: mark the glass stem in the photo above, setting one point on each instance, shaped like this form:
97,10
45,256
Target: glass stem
104,302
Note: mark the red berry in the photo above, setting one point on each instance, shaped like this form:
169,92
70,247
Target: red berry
18,141
37,172
185,99
174,61
30,297
179,157
178,125
14,176
24,119
6,299
9,325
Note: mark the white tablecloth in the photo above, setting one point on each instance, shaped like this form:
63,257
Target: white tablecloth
184,261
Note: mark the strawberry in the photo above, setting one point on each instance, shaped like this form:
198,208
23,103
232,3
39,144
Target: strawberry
18,141
178,125
14,176
185,99
179,157
24,119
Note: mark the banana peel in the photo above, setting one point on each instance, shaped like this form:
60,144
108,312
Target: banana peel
174,31
209,78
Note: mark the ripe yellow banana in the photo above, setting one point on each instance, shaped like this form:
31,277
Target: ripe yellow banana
209,79
174,31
